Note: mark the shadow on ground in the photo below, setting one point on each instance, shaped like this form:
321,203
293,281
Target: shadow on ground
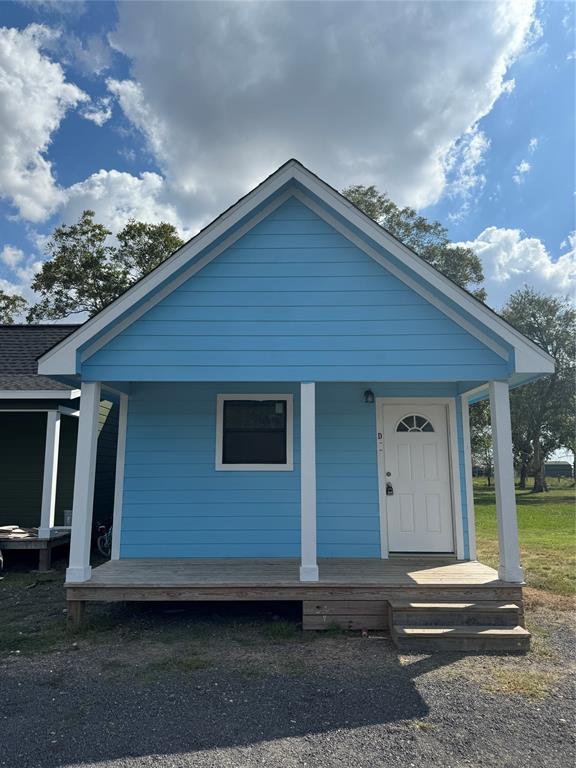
165,679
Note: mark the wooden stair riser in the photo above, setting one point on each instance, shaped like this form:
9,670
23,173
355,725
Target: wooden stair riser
447,618
464,644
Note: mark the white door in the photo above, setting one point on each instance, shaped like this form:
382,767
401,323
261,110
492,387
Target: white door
416,476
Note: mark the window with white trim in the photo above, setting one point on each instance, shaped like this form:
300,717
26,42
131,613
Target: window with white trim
254,432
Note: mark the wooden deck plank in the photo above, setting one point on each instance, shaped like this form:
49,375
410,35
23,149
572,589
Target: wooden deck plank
240,573
33,542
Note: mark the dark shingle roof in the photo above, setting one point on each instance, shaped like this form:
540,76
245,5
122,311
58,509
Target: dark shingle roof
20,348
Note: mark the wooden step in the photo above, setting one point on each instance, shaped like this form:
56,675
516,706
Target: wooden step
463,605
484,613
461,638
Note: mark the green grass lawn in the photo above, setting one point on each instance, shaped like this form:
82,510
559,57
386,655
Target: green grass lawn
547,527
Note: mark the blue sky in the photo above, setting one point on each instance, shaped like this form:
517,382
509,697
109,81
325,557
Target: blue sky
171,111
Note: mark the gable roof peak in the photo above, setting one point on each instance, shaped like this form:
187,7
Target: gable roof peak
242,216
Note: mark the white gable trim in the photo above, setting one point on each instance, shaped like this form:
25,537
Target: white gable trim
39,394
62,358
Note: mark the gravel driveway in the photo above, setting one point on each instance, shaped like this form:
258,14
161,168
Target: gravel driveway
157,685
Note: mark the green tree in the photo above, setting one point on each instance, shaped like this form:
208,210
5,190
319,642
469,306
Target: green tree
11,306
481,438
429,239
567,433
142,247
86,269
542,410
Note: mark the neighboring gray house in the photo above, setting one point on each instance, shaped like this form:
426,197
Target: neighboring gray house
38,431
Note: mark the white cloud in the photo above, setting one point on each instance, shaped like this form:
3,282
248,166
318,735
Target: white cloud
511,260
19,272
11,256
118,196
115,196
533,145
26,272
362,93
99,111
9,287
91,54
522,169
34,97
466,179
62,7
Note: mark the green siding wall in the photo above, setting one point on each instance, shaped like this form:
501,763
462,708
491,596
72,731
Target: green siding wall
106,462
22,441
22,438
66,463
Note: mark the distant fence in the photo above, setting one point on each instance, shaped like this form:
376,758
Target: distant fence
551,469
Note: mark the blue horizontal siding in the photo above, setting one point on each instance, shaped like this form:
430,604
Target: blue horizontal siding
307,358
293,299
184,343
346,438
271,373
177,505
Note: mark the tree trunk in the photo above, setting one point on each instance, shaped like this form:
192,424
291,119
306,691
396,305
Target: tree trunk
523,476
539,470
540,484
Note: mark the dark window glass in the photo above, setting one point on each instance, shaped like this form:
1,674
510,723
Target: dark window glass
414,424
254,432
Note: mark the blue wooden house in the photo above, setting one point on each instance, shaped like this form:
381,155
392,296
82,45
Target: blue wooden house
294,386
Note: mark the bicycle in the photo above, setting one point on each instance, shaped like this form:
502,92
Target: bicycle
104,540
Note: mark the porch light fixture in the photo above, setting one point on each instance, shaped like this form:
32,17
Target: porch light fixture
368,396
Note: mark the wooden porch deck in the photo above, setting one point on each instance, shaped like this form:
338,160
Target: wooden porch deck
14,537
351,593
277,579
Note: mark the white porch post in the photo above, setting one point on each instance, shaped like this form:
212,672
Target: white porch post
468,476
79,566
308,564
510,568
48,508
119,482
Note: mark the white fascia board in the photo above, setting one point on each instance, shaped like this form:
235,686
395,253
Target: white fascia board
62,359
528,360
528,354
39,394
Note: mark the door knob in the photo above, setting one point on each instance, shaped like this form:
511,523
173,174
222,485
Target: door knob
388,474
